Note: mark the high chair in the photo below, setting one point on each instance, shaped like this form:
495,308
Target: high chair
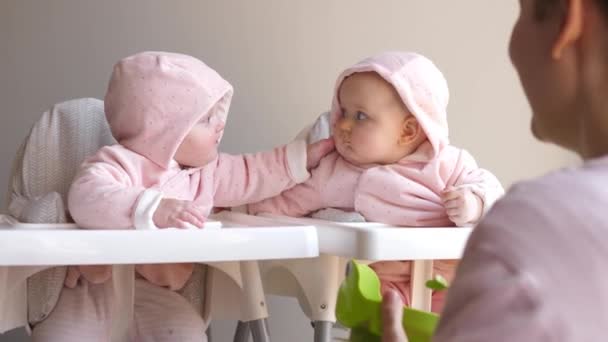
315,282
37,236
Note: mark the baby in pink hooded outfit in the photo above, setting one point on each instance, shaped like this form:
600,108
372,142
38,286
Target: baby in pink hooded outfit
167,111
393,163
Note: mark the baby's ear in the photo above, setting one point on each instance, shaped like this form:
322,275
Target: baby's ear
410,131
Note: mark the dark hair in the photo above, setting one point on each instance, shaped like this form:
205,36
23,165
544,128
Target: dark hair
544,8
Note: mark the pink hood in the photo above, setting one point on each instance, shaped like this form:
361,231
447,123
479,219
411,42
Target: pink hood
154,99
420,84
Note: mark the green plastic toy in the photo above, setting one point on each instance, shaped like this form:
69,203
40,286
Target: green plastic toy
358,307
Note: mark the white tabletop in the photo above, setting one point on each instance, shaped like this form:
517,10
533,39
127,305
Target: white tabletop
242,237
375,241
28,245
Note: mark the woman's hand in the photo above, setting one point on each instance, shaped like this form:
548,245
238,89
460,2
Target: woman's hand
392,316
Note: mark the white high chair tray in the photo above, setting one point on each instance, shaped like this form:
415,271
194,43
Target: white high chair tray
376,241
32,245
9,222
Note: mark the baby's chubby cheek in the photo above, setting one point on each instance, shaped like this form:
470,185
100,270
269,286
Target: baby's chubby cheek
363,141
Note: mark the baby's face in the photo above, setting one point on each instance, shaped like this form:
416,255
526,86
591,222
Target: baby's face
199,147
372,120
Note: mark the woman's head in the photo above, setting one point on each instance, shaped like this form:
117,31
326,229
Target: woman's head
559,50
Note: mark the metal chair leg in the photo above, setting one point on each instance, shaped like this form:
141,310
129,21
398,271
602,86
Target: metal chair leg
242,332
323,331
259,330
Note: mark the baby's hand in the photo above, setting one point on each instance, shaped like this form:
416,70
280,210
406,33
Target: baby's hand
318,150
177,213
462,206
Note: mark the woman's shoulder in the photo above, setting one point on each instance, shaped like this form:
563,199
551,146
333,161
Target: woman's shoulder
557,208
564,186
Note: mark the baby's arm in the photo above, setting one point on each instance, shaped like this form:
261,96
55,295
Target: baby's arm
248,178
302,199
103,196
473,192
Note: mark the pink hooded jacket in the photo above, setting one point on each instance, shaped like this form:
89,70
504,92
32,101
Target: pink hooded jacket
153,101
407,193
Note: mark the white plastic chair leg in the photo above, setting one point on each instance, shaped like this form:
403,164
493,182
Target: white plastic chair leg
236,291
422,270
314,282
254,301
123,286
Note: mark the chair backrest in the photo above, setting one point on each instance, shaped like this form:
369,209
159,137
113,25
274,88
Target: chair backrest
49,158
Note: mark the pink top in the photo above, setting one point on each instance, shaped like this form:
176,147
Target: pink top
404,194
153,100
535,267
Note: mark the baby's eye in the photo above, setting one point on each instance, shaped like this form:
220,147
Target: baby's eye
361,116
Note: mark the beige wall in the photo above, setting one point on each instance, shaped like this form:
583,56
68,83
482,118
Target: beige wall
282,58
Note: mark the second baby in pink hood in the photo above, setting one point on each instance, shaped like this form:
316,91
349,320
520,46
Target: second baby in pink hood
393,162
167,111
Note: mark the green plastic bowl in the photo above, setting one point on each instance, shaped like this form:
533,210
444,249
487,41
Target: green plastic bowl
358,307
